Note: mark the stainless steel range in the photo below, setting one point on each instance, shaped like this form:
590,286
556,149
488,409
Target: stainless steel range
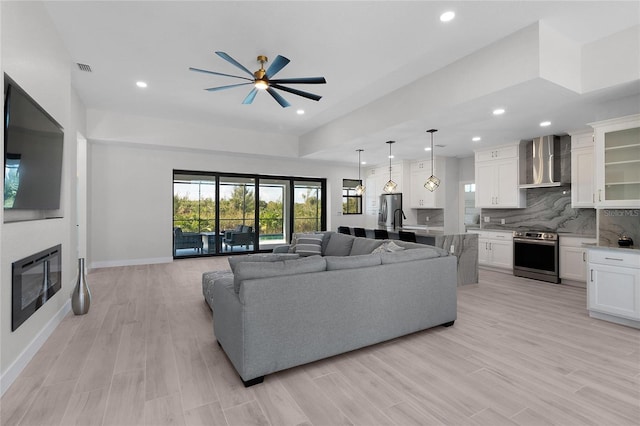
535,255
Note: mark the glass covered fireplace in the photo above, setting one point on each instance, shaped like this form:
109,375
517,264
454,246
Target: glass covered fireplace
35,279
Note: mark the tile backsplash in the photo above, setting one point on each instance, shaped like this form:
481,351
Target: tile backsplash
548,209
436,217
613,223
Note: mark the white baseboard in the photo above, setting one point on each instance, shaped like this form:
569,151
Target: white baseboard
130,262
9,376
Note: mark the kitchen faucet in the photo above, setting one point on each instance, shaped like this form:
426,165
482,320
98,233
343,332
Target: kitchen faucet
394,217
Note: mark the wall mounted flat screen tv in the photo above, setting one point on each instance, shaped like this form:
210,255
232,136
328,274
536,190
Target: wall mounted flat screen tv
32,153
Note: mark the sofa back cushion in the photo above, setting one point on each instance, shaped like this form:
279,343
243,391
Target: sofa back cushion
413,254
364,246
339,245
352,262
252,270
266,257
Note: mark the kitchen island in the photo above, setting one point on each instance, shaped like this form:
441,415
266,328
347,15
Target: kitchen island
463,246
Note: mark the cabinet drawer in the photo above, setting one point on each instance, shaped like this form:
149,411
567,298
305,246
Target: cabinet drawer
615,258
495,235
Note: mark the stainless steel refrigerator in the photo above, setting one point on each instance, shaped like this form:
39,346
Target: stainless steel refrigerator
390,213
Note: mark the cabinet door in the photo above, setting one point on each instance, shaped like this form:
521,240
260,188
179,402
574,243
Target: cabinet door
484,184
372,194
573,263
502,254
506,184
614,290
418,191
617,159
484,254
582,177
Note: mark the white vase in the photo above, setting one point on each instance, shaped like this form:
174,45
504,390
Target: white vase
81,297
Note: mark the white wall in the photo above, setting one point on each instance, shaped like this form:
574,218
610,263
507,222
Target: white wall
35,58
131,195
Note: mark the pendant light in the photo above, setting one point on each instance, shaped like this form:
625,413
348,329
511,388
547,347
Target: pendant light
390,186
360,188
433,182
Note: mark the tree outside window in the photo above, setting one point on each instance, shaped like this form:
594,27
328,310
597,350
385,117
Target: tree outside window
351,202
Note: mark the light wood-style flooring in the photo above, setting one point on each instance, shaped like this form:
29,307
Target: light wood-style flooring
522,352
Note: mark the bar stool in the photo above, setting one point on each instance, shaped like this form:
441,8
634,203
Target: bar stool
407,236
344,230
381,234
359,232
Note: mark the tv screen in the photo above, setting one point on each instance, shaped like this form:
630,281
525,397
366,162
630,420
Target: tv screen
32,153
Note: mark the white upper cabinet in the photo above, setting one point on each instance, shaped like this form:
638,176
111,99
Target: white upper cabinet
582,170
422,198
497,178
617,161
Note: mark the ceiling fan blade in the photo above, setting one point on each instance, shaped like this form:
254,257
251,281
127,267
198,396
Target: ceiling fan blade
216,89
297,92
250,97
279,63
302,80
282,101
232,61
218,73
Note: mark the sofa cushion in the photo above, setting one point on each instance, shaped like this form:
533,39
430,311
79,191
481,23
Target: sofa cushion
251,270
208,278
265,257
352,262
364,246
339,245
415,254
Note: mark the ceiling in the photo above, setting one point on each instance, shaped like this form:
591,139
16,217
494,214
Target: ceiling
364,49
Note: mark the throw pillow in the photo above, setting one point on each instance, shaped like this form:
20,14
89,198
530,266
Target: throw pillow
308,246
393,247
409,255
339,245
252,270
267,257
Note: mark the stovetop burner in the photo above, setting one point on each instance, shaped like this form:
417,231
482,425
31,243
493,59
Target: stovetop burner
536,235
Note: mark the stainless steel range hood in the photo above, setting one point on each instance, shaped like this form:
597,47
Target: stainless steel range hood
541,161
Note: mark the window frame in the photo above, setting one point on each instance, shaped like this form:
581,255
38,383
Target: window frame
348,193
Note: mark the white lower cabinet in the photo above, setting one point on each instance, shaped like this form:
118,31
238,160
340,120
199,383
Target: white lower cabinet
495,249
573,257
613,286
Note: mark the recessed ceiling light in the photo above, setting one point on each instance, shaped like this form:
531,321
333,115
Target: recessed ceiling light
447,16
391,156
545,124
498,111
476,138
300,112
363,163
428,148
141,84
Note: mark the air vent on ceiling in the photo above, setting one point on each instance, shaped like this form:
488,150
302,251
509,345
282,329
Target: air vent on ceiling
440,146
84,67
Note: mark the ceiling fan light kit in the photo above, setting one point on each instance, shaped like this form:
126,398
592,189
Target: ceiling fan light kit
390,186
432,182
263,80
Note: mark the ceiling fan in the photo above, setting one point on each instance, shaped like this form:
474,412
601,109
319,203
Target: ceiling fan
263,80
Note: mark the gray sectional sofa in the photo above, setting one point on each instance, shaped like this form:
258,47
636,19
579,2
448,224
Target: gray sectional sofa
281,310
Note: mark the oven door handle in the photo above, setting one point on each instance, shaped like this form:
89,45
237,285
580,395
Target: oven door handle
538,242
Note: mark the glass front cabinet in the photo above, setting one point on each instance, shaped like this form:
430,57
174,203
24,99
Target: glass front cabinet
617,160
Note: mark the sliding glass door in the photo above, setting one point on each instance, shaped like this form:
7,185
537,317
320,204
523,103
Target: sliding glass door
238,213
273,212
220,214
